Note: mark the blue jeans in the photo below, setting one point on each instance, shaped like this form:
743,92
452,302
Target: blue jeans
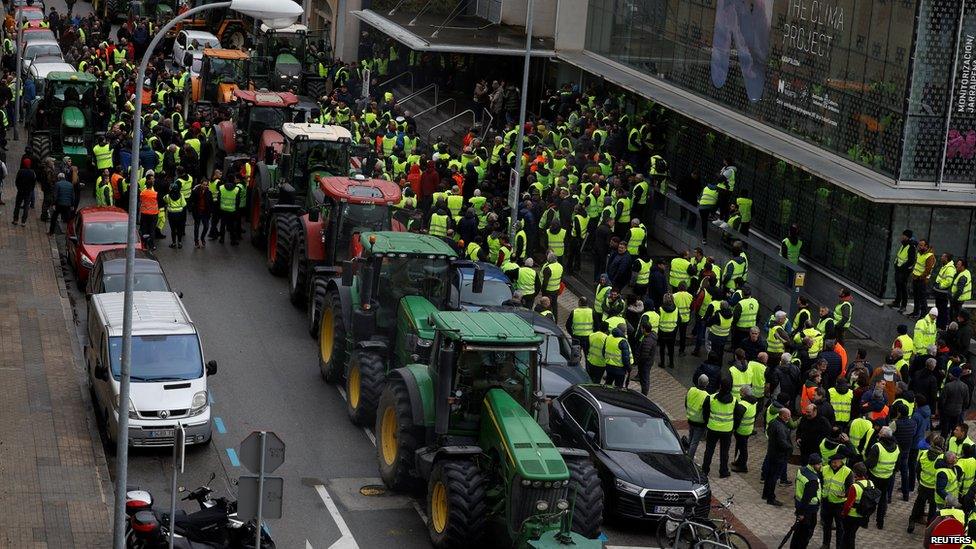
781,466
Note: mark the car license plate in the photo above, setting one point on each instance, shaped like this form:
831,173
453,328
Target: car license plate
161,433
665,509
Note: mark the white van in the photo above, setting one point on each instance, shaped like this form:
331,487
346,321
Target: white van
169,378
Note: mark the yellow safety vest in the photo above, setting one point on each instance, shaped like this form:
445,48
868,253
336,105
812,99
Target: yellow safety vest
967,468
841,404
594,355
907,346
601,295
859,487
886,462
925,333
748,422
750,309
723,327
740,379
926,469
678,272
773,343
720,415
683,301
943,281
668,321
920,261
525,282
839,314
709,197
624,210
902,256
438,225
557,242
967,291
757,371
952,484
644,274
637,235
555,276
693,404
582,321
833,483
103,156
611,351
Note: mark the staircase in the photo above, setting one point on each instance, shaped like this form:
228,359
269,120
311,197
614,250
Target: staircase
436,112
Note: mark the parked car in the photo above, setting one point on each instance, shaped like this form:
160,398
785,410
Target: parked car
497,289
559,357
48,50
642,462
93,230
39,70
183,46
108,274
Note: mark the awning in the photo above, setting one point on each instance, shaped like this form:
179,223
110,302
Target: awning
490,39
820,162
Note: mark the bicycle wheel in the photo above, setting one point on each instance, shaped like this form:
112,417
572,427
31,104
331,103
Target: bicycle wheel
737,541
666,529
682,534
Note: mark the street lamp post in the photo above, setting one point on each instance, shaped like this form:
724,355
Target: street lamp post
20,67
513,195
273,13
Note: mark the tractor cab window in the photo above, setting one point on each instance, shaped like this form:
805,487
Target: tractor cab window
227,70
263,118
354,220
409,275
480,369
294,43
71,92
326,156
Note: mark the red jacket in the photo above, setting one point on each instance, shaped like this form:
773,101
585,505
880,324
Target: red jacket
429,182
414,178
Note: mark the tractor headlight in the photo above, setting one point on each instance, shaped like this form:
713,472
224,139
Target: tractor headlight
542,506
427,343
562,505
526,482
537,484
548,485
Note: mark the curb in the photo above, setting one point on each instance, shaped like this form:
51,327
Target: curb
106,488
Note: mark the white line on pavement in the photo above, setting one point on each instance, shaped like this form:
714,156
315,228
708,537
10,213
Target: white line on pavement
346,541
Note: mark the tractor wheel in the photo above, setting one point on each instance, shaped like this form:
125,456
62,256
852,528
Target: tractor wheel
114,8
298,269
364,384
456,504
397,437
315,88
233,37
332,339
585,486
40,144
258,238
279,243
317,295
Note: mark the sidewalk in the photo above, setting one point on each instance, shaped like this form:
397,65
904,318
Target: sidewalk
55,490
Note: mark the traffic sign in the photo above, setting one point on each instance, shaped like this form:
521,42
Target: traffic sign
248,489
274,452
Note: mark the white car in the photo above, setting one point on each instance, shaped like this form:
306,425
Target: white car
184,44
41,68
48,49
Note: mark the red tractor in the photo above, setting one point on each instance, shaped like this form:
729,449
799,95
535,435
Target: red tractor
252,127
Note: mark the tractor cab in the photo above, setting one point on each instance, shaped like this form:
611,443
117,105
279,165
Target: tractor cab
221,72
60,121
280,57
259,117
351,207
310,151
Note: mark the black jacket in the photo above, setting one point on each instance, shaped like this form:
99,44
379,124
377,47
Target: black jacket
810,432
26,179
779,444
713,371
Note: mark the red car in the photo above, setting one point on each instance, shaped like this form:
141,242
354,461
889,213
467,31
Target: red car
92,231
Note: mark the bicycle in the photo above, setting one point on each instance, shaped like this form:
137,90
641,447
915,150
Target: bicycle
682,530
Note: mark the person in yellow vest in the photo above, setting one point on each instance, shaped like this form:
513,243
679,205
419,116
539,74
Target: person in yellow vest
851,515
229,201
707,206
596,363
841,399
616,352
579,323
681,270
843,313
104,154
719,327
440,223
636,238
966,465
942,287
579,226
527,282
744,315
921,272
778,338
694,402
962,288
556,237
551,277
837,480
946,479
176,213
806,498
904,263
926,330
959,439
927,466
904,342
880,460
718,412
544,308
683,301
744,422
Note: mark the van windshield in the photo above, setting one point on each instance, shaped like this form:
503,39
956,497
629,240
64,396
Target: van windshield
159,358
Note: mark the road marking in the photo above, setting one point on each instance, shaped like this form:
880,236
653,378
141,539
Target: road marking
346,541
210,394
232,455
219,423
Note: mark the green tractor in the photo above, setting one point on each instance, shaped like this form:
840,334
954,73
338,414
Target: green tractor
60,122
462,426
373,318
279,59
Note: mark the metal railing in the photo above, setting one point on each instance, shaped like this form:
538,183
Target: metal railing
437,107
419,92
449,120
397,77
486,125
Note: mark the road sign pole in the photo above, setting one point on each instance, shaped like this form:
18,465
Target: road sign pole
179,442
257,526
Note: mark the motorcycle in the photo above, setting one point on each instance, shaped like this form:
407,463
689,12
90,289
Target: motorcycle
214,526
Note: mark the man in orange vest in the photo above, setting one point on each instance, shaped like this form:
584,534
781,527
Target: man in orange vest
148,215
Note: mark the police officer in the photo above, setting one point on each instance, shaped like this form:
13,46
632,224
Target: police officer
807,501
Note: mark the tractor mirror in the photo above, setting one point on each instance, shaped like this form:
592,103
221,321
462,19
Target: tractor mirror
478,284
410,341
314,215
347,273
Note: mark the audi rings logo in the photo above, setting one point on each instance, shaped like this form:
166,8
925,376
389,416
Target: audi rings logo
671,496
164,414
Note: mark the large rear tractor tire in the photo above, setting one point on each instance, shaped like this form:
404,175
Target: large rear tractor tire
397,438
315,88
364,385
332,339
279,242
456,504
585,486
298,269
233,37
317,294
40,144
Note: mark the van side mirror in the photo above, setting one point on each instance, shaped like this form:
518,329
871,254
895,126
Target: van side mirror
211,367
478,284
101,371
347,273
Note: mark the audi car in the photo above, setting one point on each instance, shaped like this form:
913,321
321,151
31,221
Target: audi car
642,461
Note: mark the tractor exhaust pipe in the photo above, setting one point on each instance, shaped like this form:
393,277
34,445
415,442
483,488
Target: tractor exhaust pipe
445,374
